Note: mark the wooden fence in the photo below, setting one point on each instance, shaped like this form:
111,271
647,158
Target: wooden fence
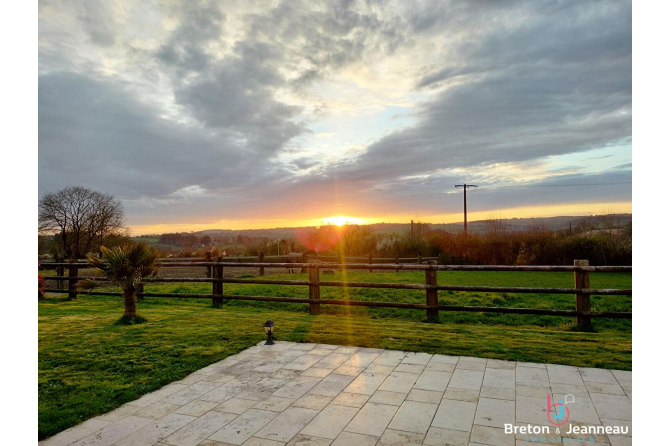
581,270
261,258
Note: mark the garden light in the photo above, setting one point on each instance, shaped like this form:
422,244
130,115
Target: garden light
269,328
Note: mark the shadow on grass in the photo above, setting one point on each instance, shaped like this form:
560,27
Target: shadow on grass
131,321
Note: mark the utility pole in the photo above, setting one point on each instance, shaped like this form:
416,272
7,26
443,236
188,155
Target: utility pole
465,205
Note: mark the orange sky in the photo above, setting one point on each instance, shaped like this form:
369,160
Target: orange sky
520,212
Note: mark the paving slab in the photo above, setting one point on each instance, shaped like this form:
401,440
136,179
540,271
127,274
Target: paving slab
287,424
297,387
306,440
114,432
494,377
158,410
440,437
414,416
350,439
240,429
470,395
311,401
399,382
156,431
455,415
390,398
372,419
494,412
433,380
466,379
425,396
328,395
236,406
332,385
392,437
199,429
303,362
330,422
351,399
366,383
274,403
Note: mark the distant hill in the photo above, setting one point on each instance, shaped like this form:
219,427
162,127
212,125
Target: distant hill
554,223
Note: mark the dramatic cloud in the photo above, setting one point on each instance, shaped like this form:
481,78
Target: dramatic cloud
206,112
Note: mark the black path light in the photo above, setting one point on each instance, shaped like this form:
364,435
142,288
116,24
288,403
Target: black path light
269,328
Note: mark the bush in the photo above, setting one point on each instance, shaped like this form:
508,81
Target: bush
41,285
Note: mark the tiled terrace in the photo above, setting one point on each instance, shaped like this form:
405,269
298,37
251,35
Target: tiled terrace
307,394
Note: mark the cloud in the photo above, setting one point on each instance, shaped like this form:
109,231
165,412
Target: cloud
203,110
95,133
238,96
566,89
200,24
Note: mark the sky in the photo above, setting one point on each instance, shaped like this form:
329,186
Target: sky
244,114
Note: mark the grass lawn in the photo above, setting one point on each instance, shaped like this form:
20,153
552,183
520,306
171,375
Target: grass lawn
89,366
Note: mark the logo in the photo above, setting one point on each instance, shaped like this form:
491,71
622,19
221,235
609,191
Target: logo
558,415
562,414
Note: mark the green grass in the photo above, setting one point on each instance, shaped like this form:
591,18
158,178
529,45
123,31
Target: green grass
88,365
150,240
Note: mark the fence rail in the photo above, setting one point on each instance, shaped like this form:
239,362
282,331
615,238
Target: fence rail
581,270
275,259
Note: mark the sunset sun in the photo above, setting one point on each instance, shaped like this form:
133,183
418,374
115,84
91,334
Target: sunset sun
341,220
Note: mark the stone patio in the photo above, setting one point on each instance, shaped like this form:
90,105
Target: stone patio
308,394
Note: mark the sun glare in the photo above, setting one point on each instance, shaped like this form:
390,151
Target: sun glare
342,220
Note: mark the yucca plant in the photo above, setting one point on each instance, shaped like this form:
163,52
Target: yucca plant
127,266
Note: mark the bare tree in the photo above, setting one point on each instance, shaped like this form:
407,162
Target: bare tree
79,219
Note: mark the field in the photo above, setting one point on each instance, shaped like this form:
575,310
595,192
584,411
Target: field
88,365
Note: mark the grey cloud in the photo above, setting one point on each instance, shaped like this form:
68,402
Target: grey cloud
96,134
200,23
328,35
238,96
556,33
235,93
99,22
521,107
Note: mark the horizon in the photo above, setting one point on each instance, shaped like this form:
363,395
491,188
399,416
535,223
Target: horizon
148,234
254,115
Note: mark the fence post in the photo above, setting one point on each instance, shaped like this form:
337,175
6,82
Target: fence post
582,301
261,256
431,295
60,271
208,258
418,259
370,261
397,261
314,290
217,287
72,281
139,291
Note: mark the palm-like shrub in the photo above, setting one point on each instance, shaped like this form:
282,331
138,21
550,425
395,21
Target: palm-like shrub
127,266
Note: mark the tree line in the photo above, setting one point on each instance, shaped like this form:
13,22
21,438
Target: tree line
77,221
